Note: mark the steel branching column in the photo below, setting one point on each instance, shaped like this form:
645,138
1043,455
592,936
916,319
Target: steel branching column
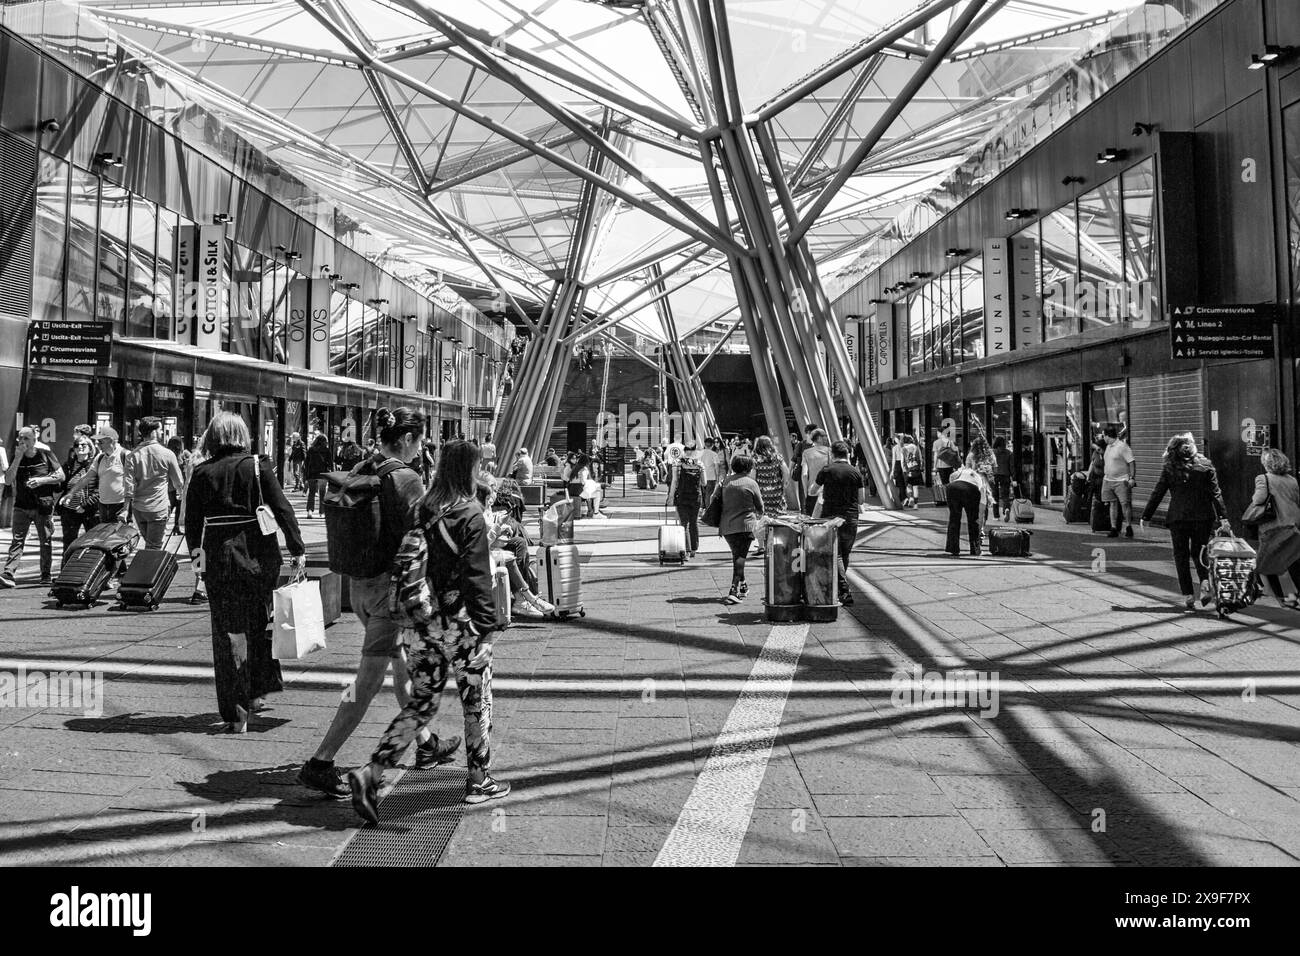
784,309
697,413
535,402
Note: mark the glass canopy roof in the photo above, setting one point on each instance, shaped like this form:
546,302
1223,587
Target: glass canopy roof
455,133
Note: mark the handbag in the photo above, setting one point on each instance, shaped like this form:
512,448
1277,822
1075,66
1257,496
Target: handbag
713,513
298,623
1256,515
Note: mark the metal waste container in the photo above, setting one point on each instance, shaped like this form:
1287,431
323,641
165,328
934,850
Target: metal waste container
821,559
783,571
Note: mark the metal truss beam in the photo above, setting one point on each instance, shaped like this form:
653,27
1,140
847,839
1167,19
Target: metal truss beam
851,58
923,73
607,322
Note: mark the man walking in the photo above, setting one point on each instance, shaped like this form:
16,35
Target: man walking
113,471
815,457
1118,478
841,484
709,464
153,468
35,476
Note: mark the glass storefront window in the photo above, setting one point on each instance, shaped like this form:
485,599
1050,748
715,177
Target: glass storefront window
356,337
1023,458
976,427
245,302
1142,245
1028,328
916,334
83,214
1101,265
140,276
971,338
114,223
1062,448
51,230
1108,405
163,288
338,333
1060,248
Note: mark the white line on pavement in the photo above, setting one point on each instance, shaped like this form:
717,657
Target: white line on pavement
715,818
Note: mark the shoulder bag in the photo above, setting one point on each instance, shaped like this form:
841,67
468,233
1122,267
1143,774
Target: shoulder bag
1256,515
713,513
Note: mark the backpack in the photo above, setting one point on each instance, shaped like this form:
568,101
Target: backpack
352,519
410,599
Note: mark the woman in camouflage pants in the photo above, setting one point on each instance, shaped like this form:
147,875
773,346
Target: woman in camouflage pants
458,642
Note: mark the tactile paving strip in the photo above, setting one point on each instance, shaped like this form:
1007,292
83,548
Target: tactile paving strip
416,821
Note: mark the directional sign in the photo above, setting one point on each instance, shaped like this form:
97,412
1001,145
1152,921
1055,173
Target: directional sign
1222,331
480,413
76,344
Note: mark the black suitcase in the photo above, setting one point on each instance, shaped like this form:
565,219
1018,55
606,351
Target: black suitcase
1100,515
1009,542
147,578
83,576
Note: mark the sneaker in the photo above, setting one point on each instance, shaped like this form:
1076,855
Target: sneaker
7,580
690,554
743,590
1128,532
436,752
522,609
310,515
365,794
1189,601
489,789
732,597
199,597
46,581
846,599
324,778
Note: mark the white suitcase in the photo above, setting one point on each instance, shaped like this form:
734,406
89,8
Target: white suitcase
501,596
560,576
672,543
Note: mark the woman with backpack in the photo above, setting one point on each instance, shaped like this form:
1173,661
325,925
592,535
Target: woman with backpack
1195,502
316,465
399,492
742,503
457,642
914,474
227,499
1279,536
772,474
685,491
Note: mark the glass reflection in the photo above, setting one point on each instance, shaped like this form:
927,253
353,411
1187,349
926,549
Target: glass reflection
1141,241
50,233
1101,298
1060,273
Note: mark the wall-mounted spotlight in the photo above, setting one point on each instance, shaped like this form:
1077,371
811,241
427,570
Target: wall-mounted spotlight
292,255
1013,214
377,302
351,286
221,219
1111,154
1073,181
108,159
410,318
1272,54
880,302
50,126
921,275
280,248
955,253
1143,129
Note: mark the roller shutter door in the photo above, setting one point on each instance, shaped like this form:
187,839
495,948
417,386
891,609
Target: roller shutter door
1159,407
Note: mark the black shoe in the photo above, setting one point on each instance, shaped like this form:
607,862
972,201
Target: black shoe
46,581
489,789
1113,534
365,794
1128,532
846,599
955,554
435,752
324,778
975,552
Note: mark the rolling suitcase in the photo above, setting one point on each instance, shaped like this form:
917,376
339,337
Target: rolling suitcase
1009,542
672,541
1022,509
1100,518
560,575
501,596
83,576
147,578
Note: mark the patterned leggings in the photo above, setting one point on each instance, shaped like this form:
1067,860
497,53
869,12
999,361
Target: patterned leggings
434,654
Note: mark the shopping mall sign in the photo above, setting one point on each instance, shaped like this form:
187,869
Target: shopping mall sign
72,344
1222,331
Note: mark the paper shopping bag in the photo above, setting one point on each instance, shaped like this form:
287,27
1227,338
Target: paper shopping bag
299,623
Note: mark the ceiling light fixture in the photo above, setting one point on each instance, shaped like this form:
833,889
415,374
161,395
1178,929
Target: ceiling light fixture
1111,154
1073,180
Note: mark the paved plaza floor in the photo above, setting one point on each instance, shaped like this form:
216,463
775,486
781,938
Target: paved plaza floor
666,727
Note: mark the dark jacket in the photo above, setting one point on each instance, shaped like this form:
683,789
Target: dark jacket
741,501
463,577
223,488
688,482
319,461
1194,493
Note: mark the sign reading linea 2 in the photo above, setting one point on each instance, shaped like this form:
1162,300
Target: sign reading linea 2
1222,331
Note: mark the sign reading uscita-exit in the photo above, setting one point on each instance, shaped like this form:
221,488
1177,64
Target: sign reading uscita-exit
1222,331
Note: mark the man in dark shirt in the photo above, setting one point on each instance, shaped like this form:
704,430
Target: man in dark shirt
841,484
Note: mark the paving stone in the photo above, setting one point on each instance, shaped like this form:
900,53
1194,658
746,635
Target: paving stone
905,837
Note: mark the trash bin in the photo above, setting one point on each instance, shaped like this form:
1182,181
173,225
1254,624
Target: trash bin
783,571
821,558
